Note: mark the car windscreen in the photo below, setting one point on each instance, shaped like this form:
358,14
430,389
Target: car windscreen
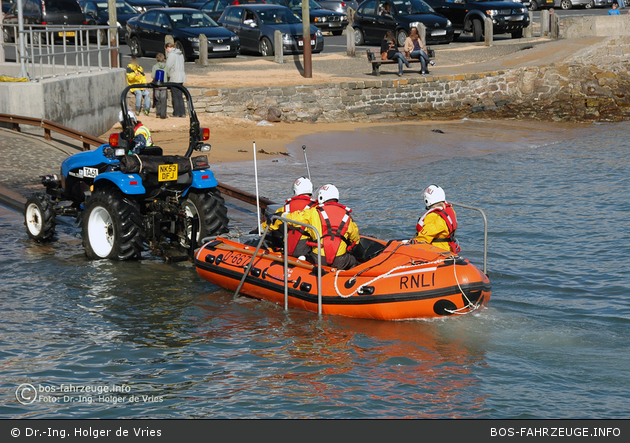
62,6
410,7
278,16
191,20
121,8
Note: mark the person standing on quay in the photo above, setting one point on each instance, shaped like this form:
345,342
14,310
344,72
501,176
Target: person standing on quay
176,74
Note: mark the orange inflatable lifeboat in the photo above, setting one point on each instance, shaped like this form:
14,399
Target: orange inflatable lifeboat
395,280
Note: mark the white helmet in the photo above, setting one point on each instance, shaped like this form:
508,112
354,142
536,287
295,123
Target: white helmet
327,192
302,186
432,195
129,113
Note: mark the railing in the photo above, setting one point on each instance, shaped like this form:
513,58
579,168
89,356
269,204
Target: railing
286,263
485,231
35,49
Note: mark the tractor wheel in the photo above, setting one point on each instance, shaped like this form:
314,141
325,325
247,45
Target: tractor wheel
112,226
210,208
39,217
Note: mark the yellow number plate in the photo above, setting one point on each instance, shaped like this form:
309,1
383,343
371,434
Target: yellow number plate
68,34
167,173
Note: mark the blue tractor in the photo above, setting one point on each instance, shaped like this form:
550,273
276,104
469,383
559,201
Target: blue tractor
127,203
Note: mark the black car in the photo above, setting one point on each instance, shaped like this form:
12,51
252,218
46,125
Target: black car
324,19
214,8
468,16
48,12
6,5
194,4
97,13
147,33
256,24
372,21
144,5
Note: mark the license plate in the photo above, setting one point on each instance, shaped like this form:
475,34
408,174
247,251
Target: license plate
216,48
515,18
439,32
167,173
335,25
301,43
90,172
68,34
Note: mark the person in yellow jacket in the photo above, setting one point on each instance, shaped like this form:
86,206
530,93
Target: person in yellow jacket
135,76
438,225
339,233
296,235
141,134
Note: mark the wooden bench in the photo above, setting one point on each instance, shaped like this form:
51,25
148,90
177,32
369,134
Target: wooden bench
374,57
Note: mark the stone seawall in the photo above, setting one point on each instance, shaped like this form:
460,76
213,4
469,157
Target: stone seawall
593,85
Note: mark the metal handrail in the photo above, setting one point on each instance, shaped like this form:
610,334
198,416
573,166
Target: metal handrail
285,221
485,231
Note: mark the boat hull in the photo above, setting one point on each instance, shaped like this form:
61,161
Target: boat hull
401,281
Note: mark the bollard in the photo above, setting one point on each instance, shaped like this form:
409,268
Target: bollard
168,39
554,24
544,23
203,50
278,51
529,31
350,14
351,49
488,30
422,34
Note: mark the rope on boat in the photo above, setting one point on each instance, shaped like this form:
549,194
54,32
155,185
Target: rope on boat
412,265
470,307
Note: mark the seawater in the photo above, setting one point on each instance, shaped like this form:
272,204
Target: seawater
552,343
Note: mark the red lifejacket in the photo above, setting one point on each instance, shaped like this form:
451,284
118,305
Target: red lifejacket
448,215
294,233
335,219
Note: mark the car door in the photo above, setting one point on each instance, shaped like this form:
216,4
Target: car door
146,31
454,10
231,19
161,29
250,31
366,19
384,21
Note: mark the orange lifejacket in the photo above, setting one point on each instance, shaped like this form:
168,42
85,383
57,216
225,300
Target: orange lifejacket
335,220
295,233
448,215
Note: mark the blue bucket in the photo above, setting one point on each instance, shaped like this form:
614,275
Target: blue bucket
159,76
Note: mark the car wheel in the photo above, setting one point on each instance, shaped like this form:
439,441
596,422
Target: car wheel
265,47
477,30
112,226
101,35
180,46
401,36
39,217
359,37
590,5
135,48
533,6
566,4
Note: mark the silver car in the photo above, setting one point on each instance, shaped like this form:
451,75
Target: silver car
339,5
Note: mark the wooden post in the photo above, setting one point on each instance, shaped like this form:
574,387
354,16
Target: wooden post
306,40
203,50
113,33
529,31
351,49
488,31
277,46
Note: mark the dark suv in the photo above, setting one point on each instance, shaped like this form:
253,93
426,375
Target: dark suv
468,16
45,12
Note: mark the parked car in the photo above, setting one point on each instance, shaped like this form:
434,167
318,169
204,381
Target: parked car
214,8
324,19
195,4
144,5
147,33
568,4
49,12
6,5
371,22
469,15
97,13
599,4
255,25
535,5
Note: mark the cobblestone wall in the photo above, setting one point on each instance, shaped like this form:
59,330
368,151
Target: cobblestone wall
593,85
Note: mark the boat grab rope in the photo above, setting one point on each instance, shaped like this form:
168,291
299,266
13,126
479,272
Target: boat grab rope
412,264
470,306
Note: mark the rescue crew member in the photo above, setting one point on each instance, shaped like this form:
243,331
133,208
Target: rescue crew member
141,134
438,225
296,235
339,233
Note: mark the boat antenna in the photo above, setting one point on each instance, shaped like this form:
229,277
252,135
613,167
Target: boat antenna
257,195
306,160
